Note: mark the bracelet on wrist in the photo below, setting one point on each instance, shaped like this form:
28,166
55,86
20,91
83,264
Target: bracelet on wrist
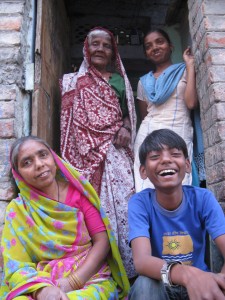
165,272
74,281
34,294
71,282
127,128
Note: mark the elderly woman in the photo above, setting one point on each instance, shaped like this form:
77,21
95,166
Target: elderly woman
57,242
98,127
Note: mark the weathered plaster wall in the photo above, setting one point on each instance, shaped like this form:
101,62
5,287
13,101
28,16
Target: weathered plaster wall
207,28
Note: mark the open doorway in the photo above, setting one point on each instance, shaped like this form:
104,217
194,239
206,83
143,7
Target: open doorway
61,28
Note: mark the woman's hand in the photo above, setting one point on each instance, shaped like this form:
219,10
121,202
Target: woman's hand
64,285
51,293
123,137
188,57
190,94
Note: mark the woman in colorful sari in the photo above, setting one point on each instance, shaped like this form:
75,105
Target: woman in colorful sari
57,242
98,127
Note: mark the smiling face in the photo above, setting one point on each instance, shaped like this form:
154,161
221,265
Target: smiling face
165,168
36,165
100,50
157,48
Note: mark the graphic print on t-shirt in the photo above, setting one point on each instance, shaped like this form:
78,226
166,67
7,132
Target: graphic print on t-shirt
177,246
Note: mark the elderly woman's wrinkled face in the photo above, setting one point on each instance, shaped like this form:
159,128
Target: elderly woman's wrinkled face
100,49
36,165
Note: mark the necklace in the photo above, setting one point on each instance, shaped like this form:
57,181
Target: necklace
106,76
58,190
157,74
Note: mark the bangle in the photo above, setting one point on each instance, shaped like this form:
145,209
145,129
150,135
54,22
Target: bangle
75,281
71,282
34,294
78,282
127,128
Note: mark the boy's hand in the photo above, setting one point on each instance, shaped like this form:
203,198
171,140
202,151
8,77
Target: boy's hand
220,277
205,285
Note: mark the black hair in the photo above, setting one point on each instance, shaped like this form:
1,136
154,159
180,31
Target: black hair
164,34
160,31
15,148
156,140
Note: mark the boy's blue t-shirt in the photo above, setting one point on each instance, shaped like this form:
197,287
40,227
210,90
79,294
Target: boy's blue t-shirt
179,234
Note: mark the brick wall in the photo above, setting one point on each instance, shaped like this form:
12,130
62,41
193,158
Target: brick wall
12,93
207,28
16,56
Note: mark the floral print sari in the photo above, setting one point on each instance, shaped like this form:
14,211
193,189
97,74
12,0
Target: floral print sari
44,240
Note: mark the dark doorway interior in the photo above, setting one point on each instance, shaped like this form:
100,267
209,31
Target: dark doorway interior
61,28
129,20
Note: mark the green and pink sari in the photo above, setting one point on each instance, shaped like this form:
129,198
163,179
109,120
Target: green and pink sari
44,240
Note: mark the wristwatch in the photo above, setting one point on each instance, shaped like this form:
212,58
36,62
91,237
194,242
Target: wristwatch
165,272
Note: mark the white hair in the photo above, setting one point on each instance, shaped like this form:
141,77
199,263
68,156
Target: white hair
97,32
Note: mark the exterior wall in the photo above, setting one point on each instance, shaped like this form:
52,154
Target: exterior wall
17,47
207,28
14,100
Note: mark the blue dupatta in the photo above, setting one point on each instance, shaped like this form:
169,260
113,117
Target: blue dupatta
159,90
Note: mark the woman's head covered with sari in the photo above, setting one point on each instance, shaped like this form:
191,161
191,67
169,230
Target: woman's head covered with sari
98,125
113,62
14,152
82,93
42,238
